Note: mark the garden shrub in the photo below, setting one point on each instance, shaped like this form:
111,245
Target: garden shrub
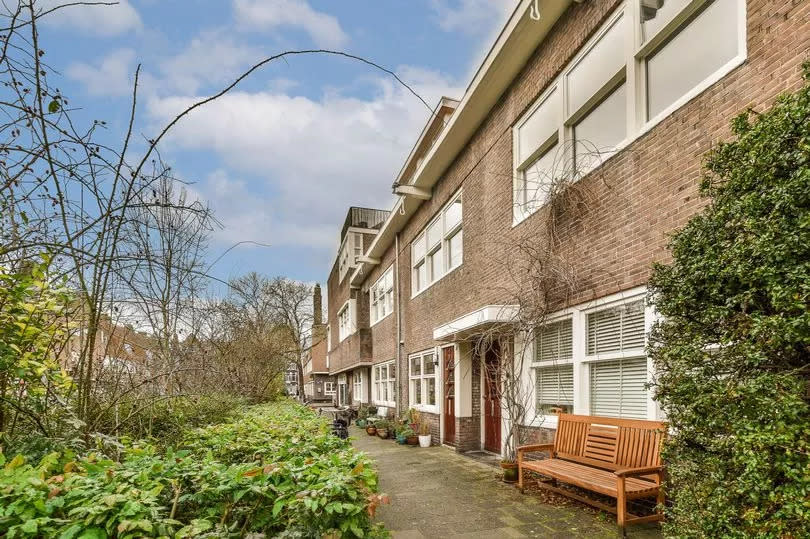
274,469
733,347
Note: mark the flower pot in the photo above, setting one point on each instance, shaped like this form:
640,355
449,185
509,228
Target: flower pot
371,430
361,423
424,441
412,440
510,471
382,433
401,439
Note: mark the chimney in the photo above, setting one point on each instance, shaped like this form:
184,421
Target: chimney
317,309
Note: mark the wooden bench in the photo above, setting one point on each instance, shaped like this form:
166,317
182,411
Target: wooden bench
620,458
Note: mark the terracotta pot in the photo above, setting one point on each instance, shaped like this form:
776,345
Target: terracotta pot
371,430
510,471
412,440
382,433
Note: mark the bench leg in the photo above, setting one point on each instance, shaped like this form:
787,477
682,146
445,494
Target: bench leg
520,478
621,507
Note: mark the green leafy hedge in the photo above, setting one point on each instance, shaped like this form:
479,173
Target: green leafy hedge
733,350
274,469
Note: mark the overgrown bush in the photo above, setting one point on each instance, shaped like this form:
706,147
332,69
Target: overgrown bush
275,469
733,349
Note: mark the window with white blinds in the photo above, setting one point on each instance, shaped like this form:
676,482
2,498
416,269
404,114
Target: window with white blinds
616,329
554,342
618,388
555,388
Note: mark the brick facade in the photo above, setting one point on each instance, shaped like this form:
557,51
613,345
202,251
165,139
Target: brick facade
636,198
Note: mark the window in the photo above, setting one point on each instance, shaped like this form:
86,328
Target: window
328,388
699,49
617,329
346,320
350,249
555,388
423,380
384,379
618,388
554,342
342,393
439,248
673,50
382,296
357,386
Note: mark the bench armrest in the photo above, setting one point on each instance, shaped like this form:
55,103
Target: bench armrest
631,472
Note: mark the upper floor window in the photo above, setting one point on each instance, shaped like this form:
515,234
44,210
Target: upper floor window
346,324
350,250
382,296
439,248
675,50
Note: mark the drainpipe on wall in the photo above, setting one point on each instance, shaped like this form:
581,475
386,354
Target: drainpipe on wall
399,327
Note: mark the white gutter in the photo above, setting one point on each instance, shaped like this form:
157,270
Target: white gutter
512,49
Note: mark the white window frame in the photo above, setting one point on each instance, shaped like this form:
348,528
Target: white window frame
329,388
357,386
580,359
381,296
377,380
440,249
347,325
342,381
632,74
348,252
422,379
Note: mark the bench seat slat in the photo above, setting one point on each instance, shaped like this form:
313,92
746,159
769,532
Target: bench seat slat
594,479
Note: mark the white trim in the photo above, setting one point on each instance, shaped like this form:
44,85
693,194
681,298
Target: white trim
441,247
388,380
371,303
422,381
490,314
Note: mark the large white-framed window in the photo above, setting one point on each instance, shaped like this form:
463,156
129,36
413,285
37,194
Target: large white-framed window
590,359
647,60
350,249
422,381
357,386
346,319
382,296
384,379
328,388
439,248
342,391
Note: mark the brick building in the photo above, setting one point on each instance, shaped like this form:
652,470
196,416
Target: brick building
319,385
619,99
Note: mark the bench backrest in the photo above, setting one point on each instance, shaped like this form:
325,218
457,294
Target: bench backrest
608,442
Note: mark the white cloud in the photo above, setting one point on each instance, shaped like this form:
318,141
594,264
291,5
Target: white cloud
112,76
325,30
316,157
99,20
213,56
472,16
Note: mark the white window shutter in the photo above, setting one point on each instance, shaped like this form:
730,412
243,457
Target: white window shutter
618,388
554,342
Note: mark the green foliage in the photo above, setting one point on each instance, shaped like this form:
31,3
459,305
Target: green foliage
733,349
32,329
274,469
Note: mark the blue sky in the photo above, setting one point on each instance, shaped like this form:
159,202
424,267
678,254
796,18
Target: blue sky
281,158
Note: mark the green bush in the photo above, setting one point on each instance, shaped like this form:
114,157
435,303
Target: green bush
274,469
733,349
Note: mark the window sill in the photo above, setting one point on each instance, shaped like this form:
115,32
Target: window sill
381,319
427,408
436,281
386,404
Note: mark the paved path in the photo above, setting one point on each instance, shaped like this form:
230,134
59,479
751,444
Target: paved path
437,493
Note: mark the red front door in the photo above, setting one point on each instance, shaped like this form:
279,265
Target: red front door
492,400
449,395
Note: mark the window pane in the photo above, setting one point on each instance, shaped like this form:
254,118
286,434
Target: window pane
538,178
598,133
418,249
422,277
655,14
618,388
434,264
392,371
417,391
452,215
697,51
455,248
434,233
383,372
597,67
540,126
430,368
416,366
431,391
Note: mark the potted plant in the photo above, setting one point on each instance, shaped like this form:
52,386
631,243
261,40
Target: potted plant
510,470
362,416
408,436
371,430
383,427
424,434
413,418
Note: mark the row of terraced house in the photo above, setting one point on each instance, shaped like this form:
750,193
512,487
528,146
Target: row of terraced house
578,142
